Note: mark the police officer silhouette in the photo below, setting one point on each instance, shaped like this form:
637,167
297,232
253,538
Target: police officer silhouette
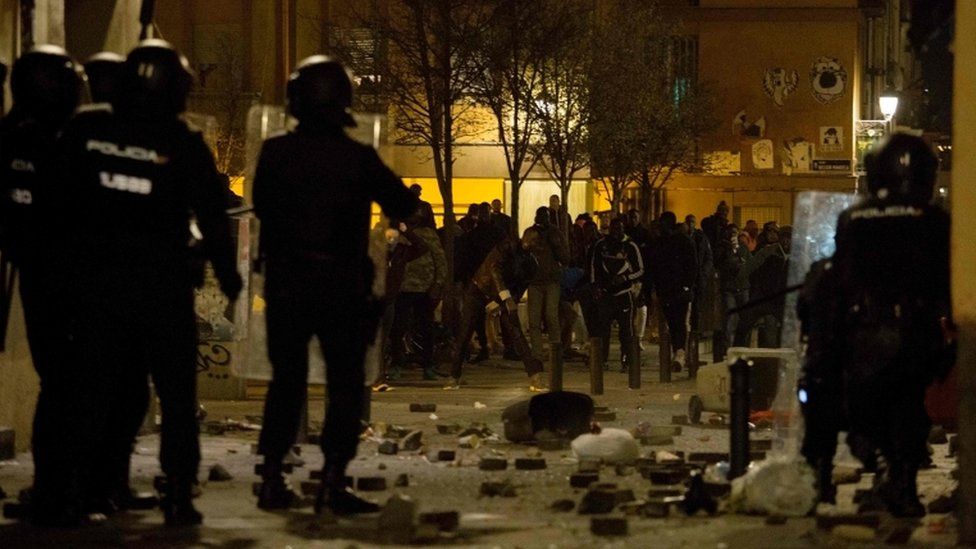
313,190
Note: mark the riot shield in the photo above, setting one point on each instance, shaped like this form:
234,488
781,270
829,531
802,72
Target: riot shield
815,216
263,122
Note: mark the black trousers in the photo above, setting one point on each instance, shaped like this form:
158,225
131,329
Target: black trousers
297,309
413,310
677,314
57,437
474,301
619,309
124,340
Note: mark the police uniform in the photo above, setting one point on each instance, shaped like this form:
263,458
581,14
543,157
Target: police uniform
892,269
126,186
46,89
313,190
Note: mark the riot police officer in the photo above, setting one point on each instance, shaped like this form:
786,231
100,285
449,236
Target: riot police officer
128,179
46,87
892,279
312,193
104,72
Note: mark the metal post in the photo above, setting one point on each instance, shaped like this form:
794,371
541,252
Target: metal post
596,366
634,365
556,367
739,420
303,425
664,343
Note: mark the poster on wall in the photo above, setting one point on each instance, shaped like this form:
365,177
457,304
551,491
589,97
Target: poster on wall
742,127
797,153
831,139
762,154
867,134
828,79
778,83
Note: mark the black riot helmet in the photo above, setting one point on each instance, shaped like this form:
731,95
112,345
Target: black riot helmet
104,71
156,80
320,92
46,84
905,168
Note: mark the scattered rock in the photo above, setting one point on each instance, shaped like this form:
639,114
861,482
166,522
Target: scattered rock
608,526
480,429
424,408
589,465
625,495
760,445
596,502
716,419
605,416
846,475
776,520
530,464
446,455
656,508
708,457
502,488
218,473
665,457
371,484
493,464
396,523
657,440
583,480
448,428
480,406
665,476
937,435
469,441
851,532
680,420
445,521
402,481
562,505
413,441
381,467
388,448
623,470
600,409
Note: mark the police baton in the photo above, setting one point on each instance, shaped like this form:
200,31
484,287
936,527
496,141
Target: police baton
146,17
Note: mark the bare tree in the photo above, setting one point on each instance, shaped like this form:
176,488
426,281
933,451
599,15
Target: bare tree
651,111
562,110
507,80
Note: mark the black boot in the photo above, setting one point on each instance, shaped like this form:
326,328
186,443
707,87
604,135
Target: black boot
276,492
901,495
177,503
825,481
336,495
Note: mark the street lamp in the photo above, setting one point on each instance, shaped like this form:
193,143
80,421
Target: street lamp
889,105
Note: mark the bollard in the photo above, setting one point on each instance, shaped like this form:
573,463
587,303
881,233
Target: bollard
596,366
664,342
556,367
694,338
634,365
739,418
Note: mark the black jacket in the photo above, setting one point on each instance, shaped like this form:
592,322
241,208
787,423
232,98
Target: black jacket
615,265
313,190
123,191
674,267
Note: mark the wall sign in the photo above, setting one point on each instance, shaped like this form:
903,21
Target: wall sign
778,83
828,79
831,139
797,153
831,165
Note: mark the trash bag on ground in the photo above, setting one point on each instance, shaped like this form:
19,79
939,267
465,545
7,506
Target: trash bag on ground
782,486
610,446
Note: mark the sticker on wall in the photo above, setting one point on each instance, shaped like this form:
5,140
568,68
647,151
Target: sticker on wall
796,155
742,127
828,79
779,83
831,139
762,154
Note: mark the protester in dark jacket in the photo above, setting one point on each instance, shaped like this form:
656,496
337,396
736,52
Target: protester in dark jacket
675,269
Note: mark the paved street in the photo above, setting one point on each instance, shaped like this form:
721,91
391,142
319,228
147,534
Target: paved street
233,521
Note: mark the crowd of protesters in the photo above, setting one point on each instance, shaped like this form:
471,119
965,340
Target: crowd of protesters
578,280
